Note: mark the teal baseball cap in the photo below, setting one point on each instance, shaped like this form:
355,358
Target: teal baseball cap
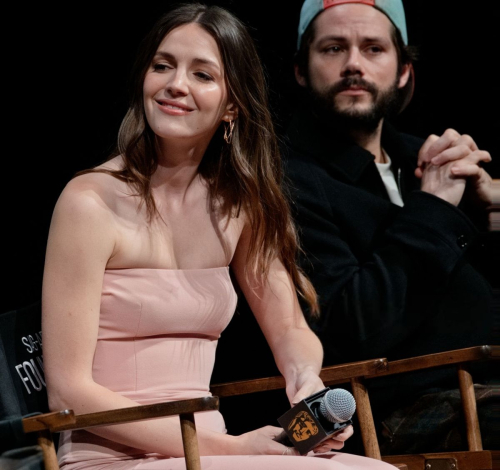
393,9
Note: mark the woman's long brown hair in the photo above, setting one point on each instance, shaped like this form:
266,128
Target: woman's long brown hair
245,174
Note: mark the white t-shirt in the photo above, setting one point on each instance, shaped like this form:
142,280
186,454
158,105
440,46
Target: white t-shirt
389,181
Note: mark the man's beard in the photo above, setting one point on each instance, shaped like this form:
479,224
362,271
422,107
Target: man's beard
385,104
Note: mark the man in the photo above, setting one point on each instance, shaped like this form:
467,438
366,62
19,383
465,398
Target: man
382,214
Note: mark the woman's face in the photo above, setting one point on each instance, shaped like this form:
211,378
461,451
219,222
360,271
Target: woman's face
184,90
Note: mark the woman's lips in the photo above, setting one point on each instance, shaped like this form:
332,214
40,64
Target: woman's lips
173,108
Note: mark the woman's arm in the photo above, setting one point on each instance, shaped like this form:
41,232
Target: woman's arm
297,350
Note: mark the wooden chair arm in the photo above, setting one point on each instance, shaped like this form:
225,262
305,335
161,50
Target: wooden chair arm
378,367
339,374
48,421
67,421
330,375
457,356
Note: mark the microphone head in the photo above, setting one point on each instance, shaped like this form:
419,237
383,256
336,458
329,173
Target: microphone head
337,405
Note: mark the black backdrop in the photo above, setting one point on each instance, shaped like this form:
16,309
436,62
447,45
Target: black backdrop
66,71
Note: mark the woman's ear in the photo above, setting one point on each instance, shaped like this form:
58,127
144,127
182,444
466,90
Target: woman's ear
231,113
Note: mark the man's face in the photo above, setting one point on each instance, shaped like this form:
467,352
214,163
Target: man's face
353,64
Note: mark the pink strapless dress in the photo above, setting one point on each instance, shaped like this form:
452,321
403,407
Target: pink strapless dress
158,332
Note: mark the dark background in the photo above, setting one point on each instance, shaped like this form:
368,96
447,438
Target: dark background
66,71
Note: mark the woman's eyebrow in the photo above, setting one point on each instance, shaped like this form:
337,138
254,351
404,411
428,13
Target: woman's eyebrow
196,60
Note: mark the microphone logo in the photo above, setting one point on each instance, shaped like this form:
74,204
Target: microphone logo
302,427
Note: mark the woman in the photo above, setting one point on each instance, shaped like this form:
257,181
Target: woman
137,285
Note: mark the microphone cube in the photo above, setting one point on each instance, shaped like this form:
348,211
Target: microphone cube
305,426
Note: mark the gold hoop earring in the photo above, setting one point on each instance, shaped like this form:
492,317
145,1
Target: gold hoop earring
228,135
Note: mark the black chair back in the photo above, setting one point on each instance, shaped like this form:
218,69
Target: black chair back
22,382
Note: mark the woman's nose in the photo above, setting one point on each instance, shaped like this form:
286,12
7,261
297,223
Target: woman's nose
177,83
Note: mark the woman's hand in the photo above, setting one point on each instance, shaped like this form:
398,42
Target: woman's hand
261,441
336,442
305,384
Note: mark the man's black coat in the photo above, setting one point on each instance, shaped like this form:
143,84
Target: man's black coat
392,281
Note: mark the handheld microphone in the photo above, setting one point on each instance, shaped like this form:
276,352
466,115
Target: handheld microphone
316,418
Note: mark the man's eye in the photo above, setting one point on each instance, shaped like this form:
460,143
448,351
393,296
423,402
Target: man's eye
332,49
374,49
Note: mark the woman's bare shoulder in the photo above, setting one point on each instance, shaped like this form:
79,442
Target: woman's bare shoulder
96,190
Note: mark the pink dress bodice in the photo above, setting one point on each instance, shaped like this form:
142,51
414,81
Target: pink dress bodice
158,331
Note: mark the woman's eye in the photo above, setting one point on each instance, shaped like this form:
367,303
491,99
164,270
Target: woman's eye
204,76
161,67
